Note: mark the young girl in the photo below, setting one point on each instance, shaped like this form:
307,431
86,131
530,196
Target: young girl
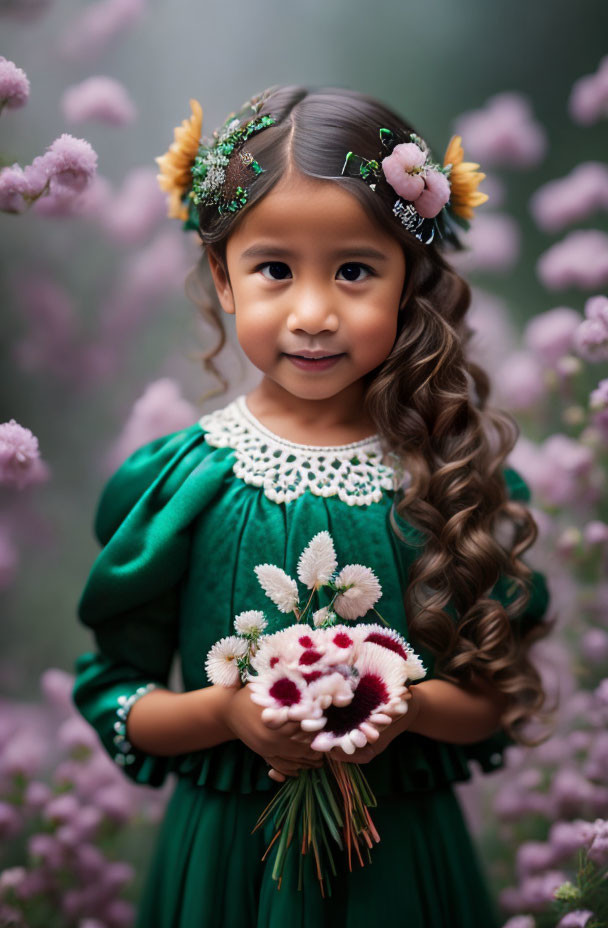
323,217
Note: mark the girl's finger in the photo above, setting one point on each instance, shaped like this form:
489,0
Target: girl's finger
275,775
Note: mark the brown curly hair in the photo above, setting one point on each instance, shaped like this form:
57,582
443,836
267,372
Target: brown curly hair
429,403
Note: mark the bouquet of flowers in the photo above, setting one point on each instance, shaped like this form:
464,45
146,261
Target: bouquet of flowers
337,680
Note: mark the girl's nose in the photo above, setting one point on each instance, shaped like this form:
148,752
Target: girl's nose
312,311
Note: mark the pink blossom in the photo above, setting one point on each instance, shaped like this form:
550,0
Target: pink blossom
88,820
23,754
570,792
74,162
549,335
38,175
47,848
520,381
14,85
119,913
492,243
89,861
10,821
537,891
598,398
98,99
117,874
115,802
402,170
56,686
160,410
12,878
13,189
37,794
595,532
435,195
130,215
579,260
591,337
20,463
76,734
50,342
520,921
534,856
572,198
598,852
575,919
567,838
588,100
61,808
97,25
503,133
9,559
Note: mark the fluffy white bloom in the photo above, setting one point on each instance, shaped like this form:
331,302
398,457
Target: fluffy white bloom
251,622
283,695
278,586
221,660
393,641
364,590
318,561
320,616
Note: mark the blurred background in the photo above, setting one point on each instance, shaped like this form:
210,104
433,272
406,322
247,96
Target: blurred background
99,344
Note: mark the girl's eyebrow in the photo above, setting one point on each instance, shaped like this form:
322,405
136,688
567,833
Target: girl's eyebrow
360,251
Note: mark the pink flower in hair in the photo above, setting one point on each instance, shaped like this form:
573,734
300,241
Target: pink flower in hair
402,170
434,196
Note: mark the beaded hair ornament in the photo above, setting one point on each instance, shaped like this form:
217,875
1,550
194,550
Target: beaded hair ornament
431,197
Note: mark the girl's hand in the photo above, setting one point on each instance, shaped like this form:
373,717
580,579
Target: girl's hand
386,733
275,744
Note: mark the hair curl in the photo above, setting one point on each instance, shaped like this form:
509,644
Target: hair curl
429,403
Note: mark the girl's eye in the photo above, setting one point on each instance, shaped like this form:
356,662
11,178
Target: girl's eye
277,270
352,271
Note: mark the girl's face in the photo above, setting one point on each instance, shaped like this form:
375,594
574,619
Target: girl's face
310,274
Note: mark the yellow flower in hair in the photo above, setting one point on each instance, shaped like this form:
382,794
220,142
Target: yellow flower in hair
464,180
175,164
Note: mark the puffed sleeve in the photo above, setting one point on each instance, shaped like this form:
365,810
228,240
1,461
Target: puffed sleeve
131,598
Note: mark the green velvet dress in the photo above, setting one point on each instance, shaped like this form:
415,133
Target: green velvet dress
183,523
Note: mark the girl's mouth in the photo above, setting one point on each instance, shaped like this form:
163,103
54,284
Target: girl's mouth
314,364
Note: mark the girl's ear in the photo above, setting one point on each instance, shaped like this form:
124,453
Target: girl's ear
221,280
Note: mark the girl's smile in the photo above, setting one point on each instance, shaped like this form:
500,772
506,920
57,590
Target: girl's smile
315,284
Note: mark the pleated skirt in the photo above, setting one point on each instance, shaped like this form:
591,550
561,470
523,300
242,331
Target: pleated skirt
206,869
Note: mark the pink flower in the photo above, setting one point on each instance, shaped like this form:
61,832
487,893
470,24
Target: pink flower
567,838
550,334
20,463
572,198
160,410
9,559
579,260
591,337
14,85
10,820
74,162
131,214
503,132
520,381
492,244
13,188
61,809
537,891
98,99
435,195
97,25
589,96
402,170
576,919
534,856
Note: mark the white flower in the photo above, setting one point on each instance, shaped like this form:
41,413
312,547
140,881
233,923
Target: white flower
363,591
278,586
283,695
320,616
391,639
251,622
318,561
221,663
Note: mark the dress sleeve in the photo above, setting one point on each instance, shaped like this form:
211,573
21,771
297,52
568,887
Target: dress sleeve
489,753
131,598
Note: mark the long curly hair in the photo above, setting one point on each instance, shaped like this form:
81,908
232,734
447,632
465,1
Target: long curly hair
429,403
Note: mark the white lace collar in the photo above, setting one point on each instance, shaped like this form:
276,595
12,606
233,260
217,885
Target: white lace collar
356,472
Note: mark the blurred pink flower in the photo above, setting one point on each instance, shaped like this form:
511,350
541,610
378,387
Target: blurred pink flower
493,331
570,793
97,25
20,463
87,821
594,645
13,189
567,838
47,848
98,99
9,559
598,852
492,242
76,734
37,794
402,170
591,337
520,381
588,100
537,891
50,341
56,686
14,85
435,195
595,532
533,857
115,802
119,913
520,921
572,198
598,399
61,809
503,133
10,821
576,919
73,161
131,214
549,335
579,260
160,410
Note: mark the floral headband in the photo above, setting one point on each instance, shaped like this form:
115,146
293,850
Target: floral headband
430,197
